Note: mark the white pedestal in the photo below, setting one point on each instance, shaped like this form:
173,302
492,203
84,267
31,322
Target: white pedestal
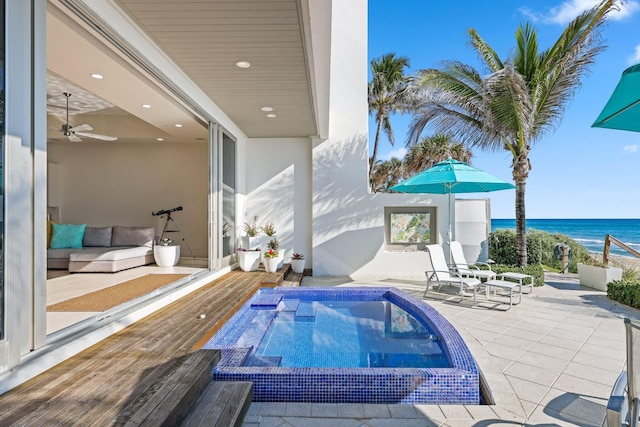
166,256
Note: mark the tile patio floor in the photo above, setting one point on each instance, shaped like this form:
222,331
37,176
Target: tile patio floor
550,361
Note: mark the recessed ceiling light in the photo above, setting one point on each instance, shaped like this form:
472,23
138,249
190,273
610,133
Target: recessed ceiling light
159,139
243,64
272,116
97,76
178,125
267,109
146,106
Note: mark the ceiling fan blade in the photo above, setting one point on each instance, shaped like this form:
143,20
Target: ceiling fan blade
73,138
97,136
81,128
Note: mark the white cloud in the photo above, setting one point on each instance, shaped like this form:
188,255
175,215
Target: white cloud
635,58
398,154
630,148
569,9
530,14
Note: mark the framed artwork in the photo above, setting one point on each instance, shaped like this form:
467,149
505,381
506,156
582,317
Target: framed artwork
409,228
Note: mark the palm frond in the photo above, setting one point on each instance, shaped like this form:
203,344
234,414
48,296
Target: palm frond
485,52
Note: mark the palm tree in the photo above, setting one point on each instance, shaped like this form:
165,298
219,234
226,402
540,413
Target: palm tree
387,174
518,102
386,92
433,149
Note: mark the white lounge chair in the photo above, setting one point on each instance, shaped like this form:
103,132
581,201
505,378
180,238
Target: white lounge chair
460,265
623,408
441,274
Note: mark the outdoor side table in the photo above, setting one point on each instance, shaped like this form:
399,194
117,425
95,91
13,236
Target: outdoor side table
524,280
505,285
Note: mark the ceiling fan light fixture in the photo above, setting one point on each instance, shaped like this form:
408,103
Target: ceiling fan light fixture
73,133
97,76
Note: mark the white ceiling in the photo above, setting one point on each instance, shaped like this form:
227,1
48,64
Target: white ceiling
205,39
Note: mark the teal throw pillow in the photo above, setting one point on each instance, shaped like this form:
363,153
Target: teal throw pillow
67,236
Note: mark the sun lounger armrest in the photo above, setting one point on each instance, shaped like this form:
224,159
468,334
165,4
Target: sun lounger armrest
484,264
617,406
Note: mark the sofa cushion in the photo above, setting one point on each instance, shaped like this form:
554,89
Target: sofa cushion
67,236
60,253
49,233
97,236
109,254
132,236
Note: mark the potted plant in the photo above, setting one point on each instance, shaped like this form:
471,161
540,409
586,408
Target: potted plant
226,239
297,263
270,260
249,259
269,229
597,276
251,238
274,244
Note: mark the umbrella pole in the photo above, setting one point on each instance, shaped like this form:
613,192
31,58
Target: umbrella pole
449,234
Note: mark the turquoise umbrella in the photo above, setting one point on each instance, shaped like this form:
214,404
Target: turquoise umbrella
623,108
451,176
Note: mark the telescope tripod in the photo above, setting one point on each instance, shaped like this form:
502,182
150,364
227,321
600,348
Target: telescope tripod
166,230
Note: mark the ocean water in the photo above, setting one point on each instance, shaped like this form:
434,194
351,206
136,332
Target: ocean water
588,232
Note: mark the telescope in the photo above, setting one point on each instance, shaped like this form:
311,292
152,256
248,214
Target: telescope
166,211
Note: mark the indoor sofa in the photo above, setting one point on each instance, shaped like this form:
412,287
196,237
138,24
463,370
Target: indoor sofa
101,249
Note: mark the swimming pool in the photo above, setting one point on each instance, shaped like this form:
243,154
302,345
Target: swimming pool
390,375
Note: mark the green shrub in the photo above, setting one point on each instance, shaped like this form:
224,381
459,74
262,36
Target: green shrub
540,245
625,292
533,270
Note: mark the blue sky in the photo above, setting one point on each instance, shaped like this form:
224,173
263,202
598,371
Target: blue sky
578,171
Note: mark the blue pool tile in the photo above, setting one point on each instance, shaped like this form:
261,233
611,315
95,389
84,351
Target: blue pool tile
306,309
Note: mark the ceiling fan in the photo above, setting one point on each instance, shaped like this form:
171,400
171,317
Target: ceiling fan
73,133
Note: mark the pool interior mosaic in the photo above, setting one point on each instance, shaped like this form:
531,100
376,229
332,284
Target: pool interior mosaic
451,381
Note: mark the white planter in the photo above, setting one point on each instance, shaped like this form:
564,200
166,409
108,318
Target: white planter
270,264
598,277
297,265
166,256
249,260
257,242
281,254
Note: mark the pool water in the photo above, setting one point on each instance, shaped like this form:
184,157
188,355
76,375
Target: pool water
367,334
345,345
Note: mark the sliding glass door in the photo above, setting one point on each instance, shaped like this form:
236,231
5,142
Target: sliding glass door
228,196
2,61
222,199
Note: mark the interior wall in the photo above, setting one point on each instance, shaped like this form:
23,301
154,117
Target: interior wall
103,184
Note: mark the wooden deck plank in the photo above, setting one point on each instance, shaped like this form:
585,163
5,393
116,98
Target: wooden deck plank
96,385
221,404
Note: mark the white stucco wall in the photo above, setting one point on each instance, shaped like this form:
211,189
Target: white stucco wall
121,184
278,190
472,228
348,221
